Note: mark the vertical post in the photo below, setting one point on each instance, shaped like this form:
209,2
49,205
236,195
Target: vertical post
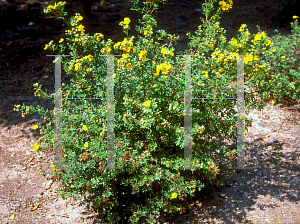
57,114
187,115
110,112
240,113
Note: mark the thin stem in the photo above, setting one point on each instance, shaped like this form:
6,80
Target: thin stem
168,179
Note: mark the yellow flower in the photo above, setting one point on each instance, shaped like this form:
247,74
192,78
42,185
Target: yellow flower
127,48
133,50
145,32
61,40
126,26
76,67
124,56
12,217
248,58
99,35
102,132
80,18
86,145
35,147
84,127
35,127
257,37
80,28
273,102
164,67
268,42
263,34
46,46
282,56
234,41
90,57
295,17
164,51
53,167
142,55
188,33
211,45
221,70
116,45
129,65
206,73
108,48
126,21
174,195
147,104
226,6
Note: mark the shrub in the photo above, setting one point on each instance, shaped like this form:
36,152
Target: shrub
149,116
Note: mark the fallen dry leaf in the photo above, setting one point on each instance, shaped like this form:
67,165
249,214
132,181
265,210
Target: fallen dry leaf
48,185
35,207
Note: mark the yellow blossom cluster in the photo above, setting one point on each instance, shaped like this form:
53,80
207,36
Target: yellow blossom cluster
165,51
226,6
78,17
55,9
99,35
164,67
148,30
77,63
125,23
142,55
50,45
126,46
257,37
